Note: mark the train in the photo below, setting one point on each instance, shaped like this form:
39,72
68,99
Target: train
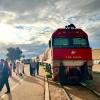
70,45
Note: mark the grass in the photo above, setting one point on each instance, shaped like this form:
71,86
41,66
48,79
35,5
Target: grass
48,74
95,72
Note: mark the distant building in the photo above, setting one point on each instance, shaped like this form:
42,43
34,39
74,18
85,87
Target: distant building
96,56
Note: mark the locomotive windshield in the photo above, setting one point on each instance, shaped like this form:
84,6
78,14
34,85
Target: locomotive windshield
80,42
70,42
61,42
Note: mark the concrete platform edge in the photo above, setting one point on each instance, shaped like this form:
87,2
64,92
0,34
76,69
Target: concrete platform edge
47,95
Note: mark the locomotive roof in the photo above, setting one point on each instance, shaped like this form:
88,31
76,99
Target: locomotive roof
61,32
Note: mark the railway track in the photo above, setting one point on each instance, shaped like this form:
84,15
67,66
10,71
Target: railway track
81,92
93,91
78,92
67,94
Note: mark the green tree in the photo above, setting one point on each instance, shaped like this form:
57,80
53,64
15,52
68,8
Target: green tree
14,53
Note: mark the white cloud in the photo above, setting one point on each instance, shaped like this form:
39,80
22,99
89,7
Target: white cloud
10,34
29,22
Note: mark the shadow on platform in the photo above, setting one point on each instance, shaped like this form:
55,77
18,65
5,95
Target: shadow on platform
34,79
15,80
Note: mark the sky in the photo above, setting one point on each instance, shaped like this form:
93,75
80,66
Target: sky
28,24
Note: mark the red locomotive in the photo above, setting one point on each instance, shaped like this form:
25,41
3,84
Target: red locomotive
70,46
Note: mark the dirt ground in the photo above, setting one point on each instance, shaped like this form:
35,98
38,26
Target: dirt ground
95,84
96,68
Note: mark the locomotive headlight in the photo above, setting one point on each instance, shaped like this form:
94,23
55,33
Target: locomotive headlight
90,63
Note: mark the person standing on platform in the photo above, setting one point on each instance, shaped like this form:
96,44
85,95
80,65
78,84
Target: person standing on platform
11,66
23,65
21,68
14,66
31,71
5,75
37,67
17,67
34,64
1,70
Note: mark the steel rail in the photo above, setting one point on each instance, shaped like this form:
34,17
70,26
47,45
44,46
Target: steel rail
93,91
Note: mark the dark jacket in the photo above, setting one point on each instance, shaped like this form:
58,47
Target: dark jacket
37,65
6,72
1,69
